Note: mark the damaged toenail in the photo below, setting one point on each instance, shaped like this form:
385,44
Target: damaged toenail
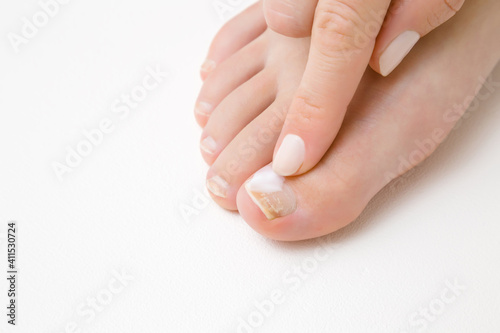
271,194
208,145
218,186
208,66
203,108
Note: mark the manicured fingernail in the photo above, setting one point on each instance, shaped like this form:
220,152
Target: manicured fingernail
203,108
397,51
208,66
271,194
208,145
290,155
218,186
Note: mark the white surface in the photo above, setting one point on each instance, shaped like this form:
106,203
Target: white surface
120,209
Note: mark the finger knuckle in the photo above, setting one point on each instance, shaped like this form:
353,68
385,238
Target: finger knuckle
337,25
307,114
454,5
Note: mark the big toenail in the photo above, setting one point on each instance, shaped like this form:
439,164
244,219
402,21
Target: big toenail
290,155
271,194
203,108
218,186
208,145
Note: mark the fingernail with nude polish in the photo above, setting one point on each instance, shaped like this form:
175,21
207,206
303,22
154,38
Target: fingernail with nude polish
397,51
290,155
271,194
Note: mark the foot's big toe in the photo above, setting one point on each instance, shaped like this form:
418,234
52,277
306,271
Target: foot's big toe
297,208
331,195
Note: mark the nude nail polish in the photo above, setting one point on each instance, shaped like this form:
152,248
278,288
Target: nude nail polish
290,155
271,194
218,186
208,145
397,51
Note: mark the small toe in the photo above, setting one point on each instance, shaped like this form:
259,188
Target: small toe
231,74
233,36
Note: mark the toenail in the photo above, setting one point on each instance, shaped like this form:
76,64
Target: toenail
203,108
218,186
208,145
290,155
271,194
208,66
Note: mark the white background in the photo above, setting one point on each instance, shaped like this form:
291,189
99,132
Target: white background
120,210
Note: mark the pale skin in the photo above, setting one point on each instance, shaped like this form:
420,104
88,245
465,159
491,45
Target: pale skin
346,36
295,18
254,84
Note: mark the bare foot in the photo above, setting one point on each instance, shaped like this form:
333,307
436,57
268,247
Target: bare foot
405,115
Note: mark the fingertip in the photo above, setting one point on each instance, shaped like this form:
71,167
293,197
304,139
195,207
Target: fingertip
374,63
396,51
290,155
310,127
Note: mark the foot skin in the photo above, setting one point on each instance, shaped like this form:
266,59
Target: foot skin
235,34
402,117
